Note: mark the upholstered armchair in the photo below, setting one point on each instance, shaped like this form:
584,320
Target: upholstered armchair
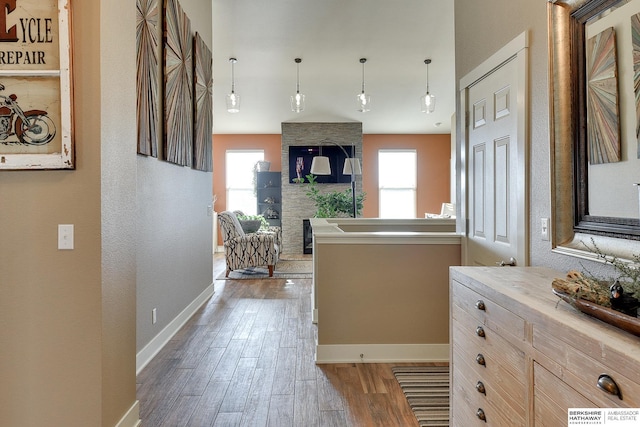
243,250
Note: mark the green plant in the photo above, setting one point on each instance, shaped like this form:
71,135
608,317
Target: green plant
263,221
334,203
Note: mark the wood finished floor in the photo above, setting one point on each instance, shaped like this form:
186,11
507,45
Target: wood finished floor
246,358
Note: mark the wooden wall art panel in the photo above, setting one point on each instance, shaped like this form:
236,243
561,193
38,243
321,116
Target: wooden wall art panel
603,119
203,105
178,86
148,77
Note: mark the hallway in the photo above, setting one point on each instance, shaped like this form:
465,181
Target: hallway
247,358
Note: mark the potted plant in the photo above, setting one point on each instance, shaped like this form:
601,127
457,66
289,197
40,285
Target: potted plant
333,204
252,223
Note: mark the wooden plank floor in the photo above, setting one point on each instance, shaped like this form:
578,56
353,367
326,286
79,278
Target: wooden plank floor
246,358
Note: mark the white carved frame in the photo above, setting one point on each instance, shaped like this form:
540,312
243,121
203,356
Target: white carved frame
65,158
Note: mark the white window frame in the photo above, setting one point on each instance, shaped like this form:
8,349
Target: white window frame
249,210
413,189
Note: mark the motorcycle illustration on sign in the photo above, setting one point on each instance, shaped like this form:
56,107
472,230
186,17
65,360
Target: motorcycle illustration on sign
31,127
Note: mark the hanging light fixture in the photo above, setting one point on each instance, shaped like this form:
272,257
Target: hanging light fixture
233,99
428,101
297,100
364,100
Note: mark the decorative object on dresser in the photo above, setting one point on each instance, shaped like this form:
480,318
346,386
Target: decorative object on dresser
519,358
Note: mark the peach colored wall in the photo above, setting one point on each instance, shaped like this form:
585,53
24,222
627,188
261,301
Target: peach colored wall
222,142
434,158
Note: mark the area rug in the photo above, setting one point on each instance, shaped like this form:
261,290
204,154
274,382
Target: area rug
427,391
285,269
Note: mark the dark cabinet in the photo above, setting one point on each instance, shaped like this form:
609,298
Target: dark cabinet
307,237
269,196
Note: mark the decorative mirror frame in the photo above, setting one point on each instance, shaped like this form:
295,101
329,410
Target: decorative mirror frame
567,19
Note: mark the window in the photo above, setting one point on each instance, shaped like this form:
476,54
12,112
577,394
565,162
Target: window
239,166
397,181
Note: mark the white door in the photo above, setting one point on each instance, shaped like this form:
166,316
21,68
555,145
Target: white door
495,139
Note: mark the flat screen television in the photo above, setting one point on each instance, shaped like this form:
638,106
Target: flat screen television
301,156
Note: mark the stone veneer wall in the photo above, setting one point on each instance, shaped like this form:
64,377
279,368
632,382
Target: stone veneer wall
296,205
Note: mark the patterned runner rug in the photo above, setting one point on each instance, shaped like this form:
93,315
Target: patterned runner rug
427,391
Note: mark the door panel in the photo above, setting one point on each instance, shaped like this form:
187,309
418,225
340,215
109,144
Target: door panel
493,147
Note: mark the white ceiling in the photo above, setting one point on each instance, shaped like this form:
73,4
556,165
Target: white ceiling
331,36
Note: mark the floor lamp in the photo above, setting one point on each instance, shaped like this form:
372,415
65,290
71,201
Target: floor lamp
321,166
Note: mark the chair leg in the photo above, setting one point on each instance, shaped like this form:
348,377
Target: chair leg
228,271
270,270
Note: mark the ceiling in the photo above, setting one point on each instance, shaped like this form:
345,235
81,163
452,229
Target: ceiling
330,36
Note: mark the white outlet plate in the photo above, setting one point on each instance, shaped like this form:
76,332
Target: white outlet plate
154,316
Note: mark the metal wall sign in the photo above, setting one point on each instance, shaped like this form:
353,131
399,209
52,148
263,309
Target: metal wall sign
35,85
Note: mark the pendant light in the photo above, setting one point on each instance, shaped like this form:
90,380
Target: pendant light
297,100
364,100
233,99
428,101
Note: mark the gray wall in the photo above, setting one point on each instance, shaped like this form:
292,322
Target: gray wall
296,205
174,246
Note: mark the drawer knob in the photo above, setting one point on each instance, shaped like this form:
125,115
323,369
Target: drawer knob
606,383
480,305
480,388
480,331
480,360
480,414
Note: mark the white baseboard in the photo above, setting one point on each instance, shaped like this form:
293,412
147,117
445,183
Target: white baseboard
382,353
149,351
132,417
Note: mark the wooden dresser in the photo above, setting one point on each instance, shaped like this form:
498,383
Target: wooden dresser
521,357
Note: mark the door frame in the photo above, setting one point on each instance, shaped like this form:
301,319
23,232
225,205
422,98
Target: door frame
516,50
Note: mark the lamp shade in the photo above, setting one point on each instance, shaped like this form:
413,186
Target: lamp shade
320,166
233,103
346,170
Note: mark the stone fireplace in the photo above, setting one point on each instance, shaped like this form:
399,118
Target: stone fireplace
296,205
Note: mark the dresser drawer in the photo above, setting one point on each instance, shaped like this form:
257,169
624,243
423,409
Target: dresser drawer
501,391
467,402
487,312
500,356
581,371
553,397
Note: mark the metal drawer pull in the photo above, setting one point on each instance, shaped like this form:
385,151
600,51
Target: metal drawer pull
606,383
480,414
480,331
480,360
480,388
480,305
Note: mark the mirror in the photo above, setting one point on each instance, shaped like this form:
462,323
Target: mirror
571,171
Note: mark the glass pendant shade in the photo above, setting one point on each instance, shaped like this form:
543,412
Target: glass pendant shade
320,166
363,100
233,103
348,163
428,101
297,100
233,99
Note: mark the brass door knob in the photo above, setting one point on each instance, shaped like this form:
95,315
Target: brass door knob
480,360
480,332
480,305
480,388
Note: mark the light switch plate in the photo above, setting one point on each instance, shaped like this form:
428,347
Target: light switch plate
65,236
